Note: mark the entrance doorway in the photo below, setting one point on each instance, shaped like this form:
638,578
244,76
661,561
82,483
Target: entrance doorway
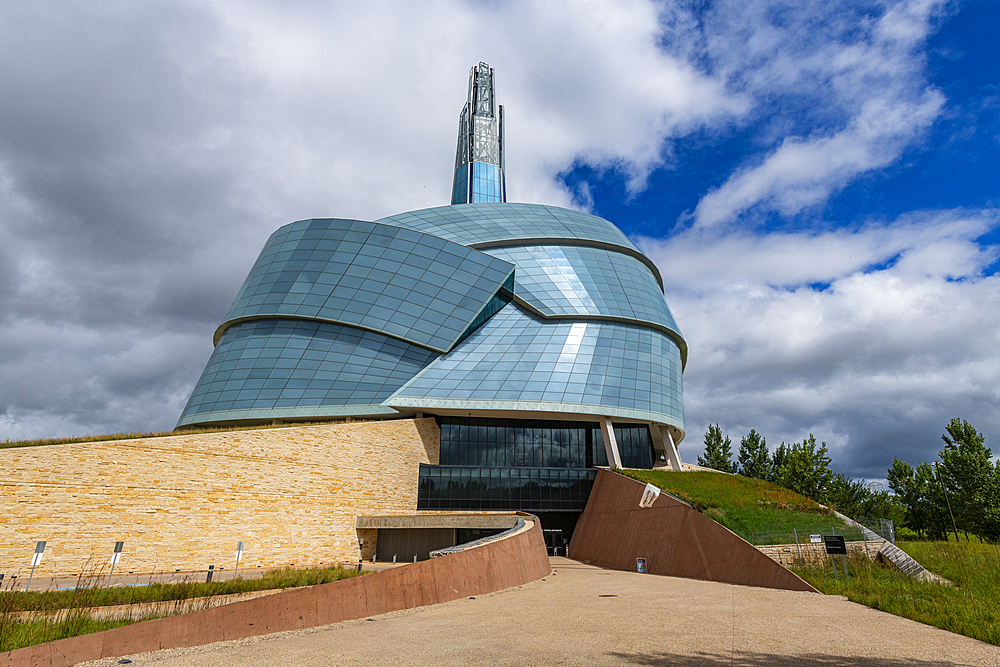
555,543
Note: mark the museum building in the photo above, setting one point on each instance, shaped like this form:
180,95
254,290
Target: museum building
537,336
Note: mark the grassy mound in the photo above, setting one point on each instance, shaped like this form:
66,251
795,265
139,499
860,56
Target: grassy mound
757,511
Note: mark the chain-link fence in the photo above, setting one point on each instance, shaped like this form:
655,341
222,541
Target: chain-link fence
876,529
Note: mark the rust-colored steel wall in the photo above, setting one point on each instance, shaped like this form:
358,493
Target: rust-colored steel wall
509,562
675,539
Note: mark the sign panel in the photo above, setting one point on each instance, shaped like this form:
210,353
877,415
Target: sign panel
836,545
640,565
815,539
649,496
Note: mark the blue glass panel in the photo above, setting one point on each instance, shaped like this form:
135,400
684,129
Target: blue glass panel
356,368
372,281
625,370
573,280
487,222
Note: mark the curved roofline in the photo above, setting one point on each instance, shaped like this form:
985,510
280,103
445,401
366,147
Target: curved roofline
587,243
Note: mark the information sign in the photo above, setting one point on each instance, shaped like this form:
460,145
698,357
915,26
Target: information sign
815,539
835,545
640,564
649,496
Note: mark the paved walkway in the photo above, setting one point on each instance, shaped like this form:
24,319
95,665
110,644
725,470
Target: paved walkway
583,615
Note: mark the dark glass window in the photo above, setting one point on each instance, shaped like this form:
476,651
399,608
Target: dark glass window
521,443
524,489
634,445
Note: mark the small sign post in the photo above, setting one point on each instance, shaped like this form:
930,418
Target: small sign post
836,545
640,565
115,557
35,560
239,557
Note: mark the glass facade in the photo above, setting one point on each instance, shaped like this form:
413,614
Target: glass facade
460,189
521,443
532,443
478,224
417,287
269,369
486,183
552,311
523,489
517,361
575,280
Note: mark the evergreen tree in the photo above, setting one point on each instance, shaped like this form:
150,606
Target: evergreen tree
806,469
777,462
968,472
754,460
848,496
718,451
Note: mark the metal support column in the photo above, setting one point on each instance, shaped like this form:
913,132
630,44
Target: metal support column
610,444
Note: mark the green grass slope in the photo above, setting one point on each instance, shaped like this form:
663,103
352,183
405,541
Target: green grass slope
757,511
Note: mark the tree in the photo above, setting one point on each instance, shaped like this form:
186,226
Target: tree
754,460
847,495
806,469
777,462
718,451
967,471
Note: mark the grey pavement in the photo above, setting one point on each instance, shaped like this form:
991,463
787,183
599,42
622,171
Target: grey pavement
583,615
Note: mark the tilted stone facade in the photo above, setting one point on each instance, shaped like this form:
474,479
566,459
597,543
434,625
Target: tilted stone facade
182,502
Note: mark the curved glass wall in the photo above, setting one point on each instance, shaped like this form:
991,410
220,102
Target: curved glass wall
574,280
517,361
417,287
345,317
268,369
472,224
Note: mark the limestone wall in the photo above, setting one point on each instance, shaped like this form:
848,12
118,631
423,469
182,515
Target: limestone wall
182,502
815,553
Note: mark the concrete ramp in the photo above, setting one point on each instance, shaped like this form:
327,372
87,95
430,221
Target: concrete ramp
674,539
516,559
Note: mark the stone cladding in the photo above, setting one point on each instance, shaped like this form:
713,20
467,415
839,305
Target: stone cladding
815,554
182,502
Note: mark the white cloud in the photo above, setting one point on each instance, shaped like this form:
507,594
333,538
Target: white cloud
148,150
901,334
861,83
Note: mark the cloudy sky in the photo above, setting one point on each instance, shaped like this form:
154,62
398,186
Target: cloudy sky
817,181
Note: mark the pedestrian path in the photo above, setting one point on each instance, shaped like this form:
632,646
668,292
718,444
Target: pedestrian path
583,615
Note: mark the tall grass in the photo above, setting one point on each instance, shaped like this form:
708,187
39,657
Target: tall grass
971,607
751,508
61,614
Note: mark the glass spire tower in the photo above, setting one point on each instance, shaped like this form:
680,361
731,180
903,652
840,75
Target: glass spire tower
479,167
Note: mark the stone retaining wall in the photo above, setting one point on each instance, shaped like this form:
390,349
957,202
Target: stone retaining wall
182,502
815,553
